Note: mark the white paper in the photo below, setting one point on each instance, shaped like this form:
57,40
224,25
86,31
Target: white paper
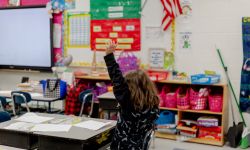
116,15
92,125
68,77
51,128
24,126
33,118
115,8
83,5
130,28
79,31
5,93
36,95
185,40
187,9
153,32
156,58
57,35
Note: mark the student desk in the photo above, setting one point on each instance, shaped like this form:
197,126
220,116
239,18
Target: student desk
18,139
35,97
76,139
108,102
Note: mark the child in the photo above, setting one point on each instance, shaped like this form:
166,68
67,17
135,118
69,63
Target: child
138,100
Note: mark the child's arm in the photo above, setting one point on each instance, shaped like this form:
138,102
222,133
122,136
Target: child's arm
120,87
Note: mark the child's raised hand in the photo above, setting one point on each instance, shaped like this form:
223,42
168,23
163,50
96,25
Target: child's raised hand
110,47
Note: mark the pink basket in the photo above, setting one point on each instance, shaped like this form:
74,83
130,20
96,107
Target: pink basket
162,96
183,99
171,100
4,3
215,103
198,101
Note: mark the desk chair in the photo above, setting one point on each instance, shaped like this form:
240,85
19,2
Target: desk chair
4,116
19,98
86,96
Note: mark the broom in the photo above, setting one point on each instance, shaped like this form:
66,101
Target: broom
244,140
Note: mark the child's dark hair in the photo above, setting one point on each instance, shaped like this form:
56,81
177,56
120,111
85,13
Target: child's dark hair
143,90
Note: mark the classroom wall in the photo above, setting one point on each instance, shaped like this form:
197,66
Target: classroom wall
213,22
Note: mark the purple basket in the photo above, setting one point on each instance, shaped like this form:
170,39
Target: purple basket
127,62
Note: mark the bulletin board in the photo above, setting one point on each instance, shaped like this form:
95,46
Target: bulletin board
126,32
114,9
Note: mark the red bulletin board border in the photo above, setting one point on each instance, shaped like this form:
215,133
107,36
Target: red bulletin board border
127,32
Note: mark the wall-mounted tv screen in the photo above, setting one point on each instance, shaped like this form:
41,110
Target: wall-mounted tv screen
25,38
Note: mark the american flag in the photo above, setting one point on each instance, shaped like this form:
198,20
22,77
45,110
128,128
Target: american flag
172,9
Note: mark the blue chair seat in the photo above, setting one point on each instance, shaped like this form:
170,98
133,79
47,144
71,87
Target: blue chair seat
4,116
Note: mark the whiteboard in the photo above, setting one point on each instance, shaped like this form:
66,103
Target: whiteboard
25,37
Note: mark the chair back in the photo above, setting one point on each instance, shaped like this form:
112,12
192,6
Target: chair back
148,139
18,97
3,101
86,96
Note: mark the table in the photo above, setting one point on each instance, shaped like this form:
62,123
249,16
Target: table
108,102
35,97
76,139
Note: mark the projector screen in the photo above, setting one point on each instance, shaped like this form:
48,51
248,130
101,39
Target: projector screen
25,38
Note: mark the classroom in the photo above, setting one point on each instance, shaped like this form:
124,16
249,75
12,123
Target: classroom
124,74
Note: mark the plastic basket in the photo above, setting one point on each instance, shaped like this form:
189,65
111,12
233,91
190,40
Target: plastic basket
183,99
171,100
157,75
212,133
205,79
166,117
4,3
198,101
215,103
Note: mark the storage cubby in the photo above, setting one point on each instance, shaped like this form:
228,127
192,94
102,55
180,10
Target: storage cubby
190,114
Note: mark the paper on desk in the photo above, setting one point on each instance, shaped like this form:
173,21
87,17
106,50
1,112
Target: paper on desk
92,125
36,94
51,128
33,118
5,93
24,126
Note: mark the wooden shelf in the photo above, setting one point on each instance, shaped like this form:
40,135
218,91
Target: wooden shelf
93,77
194,140
192,111
161,81
187,83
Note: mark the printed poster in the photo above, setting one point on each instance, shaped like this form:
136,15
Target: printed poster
78,30
187,11
126,32
185,40
245,73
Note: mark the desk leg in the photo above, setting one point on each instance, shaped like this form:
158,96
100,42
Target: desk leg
49,107
108,114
